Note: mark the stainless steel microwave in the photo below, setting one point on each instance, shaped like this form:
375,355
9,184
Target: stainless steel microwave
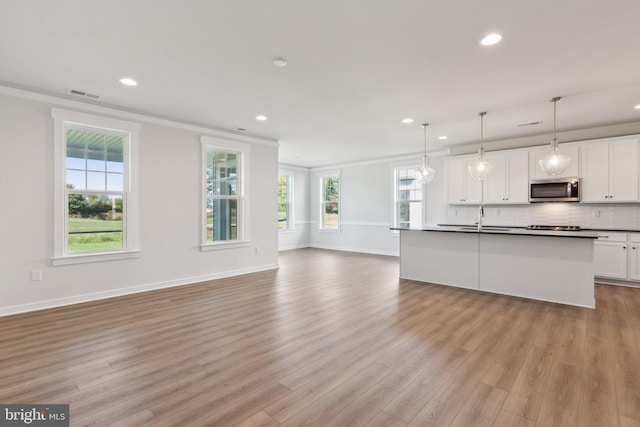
554,190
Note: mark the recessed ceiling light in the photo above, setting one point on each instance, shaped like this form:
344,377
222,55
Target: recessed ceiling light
637,107
491,39
443,137
261,117
407,120
280,62
129,82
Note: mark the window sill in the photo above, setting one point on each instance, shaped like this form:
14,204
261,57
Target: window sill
95,257
224,245
286,230
330,230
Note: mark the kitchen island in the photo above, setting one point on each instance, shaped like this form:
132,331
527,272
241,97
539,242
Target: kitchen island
555,266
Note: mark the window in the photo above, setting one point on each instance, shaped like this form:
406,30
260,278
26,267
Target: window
330,204
224,193
284,202
408,197
94,217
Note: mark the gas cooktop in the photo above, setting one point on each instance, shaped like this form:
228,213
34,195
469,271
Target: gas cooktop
554,227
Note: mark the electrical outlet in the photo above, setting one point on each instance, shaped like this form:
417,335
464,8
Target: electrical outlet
497,212
36,275
595,213
257,250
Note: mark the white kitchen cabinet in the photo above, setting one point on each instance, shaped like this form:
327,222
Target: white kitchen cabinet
537,153
508,182
610,170
610,259
633,257
462,189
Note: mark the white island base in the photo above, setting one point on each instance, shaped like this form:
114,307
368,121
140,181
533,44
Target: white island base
546,268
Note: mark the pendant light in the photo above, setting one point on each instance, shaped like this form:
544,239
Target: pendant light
555,162
480,169
426,172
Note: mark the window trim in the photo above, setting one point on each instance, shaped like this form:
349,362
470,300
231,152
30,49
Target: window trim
409,164
131,230
243,150
290,214
335,173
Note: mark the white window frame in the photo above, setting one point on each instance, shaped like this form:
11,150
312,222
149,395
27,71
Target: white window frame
322,176
242,189
130,224
290,177
395,168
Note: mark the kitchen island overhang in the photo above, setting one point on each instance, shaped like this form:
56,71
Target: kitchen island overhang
552,266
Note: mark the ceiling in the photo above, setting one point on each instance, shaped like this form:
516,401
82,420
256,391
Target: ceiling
355,69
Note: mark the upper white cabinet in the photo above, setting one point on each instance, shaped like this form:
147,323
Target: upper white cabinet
537,153
508,182
462,189
610,170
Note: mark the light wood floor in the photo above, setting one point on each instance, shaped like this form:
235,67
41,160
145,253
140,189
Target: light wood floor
329,339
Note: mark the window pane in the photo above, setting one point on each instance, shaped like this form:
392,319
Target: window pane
222,219
222,188
115,182
96,165
403,213
330,213
331,189
96,181
89,155
283,214
221,165
113,166
76,179
75,162
283,184
94,223
283,202
408,197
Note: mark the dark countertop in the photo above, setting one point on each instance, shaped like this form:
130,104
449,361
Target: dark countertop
619,230
516,231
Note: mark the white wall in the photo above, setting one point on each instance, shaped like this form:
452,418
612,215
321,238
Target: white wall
367,203
169,191
298,237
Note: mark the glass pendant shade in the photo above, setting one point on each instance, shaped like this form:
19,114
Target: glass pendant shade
481,168
426,172
555,162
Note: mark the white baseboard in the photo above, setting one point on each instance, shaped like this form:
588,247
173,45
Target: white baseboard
616,282
360,250
289,248
59,302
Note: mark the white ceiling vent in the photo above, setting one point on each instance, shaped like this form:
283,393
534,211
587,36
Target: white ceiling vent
85,94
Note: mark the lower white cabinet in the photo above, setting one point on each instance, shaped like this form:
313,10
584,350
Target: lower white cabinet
633,257
617,256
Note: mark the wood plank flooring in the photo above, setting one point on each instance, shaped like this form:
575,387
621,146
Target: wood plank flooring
329,339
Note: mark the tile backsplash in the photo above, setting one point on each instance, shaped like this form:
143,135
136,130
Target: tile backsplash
614,216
